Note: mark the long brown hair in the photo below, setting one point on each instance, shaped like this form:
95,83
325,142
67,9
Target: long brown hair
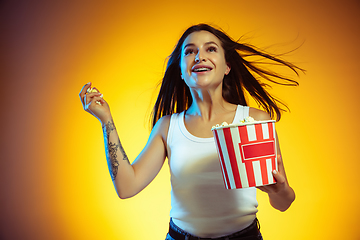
175,97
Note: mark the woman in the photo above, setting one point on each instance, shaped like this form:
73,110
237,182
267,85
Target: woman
204,84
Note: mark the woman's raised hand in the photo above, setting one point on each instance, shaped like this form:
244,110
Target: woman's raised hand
94,104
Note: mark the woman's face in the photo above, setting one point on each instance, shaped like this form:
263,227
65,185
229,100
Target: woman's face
202,60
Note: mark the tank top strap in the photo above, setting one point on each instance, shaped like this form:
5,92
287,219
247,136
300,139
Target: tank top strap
242,112
173,122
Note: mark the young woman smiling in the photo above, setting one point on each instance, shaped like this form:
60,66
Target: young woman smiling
205,82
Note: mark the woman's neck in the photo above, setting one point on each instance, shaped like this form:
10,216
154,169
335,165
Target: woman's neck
208,105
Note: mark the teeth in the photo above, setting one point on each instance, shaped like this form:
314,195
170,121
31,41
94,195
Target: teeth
201,69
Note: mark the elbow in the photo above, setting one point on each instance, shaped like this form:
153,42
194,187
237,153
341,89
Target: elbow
126,189
124,194
123,197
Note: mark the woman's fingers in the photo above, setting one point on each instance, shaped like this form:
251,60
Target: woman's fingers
83,92
87,95
91,97
280,182
93,103
279,177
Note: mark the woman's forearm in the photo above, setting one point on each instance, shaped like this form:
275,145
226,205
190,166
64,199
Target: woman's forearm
114,151
120,169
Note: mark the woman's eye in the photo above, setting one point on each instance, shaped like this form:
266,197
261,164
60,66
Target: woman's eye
212,49
188,51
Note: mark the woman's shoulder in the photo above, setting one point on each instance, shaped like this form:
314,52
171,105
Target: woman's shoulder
162,126
163,122
258,114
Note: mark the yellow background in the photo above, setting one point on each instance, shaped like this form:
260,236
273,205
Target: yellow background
54,178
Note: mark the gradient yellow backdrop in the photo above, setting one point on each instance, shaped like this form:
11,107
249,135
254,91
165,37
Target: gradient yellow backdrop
54,178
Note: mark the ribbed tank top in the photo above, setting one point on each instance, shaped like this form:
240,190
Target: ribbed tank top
200,203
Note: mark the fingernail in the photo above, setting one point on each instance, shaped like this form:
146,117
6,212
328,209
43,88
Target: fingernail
274,171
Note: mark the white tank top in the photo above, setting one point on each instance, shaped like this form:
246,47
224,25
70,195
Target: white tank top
200,203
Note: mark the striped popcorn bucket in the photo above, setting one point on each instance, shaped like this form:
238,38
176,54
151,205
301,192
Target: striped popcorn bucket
247,153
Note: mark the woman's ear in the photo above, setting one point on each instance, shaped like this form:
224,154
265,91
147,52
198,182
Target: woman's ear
228,68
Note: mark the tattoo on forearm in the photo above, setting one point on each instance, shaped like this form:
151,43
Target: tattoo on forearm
111,149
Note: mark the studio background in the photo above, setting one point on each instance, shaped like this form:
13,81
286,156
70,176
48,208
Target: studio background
54,178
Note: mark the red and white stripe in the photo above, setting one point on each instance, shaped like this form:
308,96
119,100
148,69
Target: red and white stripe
247,154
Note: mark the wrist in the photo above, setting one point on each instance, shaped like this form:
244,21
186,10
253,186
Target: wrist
104,120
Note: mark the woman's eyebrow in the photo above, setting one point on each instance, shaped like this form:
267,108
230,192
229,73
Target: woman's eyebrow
192,44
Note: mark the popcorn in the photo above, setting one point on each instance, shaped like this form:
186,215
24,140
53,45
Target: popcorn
91,90
94,90
218,125
248,119
243,121
247,153
224,124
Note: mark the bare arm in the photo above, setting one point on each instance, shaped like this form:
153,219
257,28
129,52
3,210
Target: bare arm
281,195
129,179
115,153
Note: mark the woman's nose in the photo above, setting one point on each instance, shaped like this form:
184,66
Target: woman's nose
199,57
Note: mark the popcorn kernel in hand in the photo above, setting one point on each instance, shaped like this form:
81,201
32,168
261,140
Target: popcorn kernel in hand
92,90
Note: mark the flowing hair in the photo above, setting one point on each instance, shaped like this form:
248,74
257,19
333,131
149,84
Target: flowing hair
175,97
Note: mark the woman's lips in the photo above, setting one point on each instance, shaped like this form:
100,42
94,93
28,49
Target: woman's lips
201,68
